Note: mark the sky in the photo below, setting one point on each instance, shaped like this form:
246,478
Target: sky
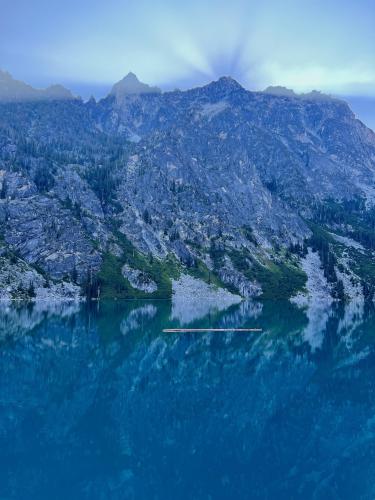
88,45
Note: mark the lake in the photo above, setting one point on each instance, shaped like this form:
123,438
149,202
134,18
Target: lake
96,402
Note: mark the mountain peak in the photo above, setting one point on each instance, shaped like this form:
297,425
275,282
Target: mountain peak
58,91
228,81
131,76
130,85
12,90
224,84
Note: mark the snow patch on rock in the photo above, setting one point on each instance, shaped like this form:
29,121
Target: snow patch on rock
318,289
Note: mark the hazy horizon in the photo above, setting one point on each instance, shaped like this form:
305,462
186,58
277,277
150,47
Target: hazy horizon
317,45
87,47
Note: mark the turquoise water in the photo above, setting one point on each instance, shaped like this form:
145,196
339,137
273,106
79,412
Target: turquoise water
97,403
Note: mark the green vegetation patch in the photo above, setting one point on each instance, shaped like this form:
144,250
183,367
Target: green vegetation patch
200,271
114,285
356,220
279,280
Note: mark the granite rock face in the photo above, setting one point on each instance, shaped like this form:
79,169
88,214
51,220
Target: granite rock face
221,180
139,280
45,233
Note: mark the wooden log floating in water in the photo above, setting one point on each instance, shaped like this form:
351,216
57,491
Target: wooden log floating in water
199,330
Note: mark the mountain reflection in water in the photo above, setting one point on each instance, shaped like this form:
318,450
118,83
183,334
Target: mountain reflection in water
96,402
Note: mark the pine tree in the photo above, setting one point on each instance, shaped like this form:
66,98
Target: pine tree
3,192
31,290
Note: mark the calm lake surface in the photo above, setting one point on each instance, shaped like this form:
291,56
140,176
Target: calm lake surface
97,403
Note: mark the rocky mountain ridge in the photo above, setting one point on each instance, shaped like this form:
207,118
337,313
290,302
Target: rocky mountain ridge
230,186
12,90
130,85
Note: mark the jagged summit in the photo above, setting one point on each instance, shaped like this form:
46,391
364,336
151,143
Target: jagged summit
225,83
58,91
228,80
316,95
12,90
130,85
279,91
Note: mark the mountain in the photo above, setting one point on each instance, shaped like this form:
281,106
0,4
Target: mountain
130,85
264,194
12,90
285,92
280,91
